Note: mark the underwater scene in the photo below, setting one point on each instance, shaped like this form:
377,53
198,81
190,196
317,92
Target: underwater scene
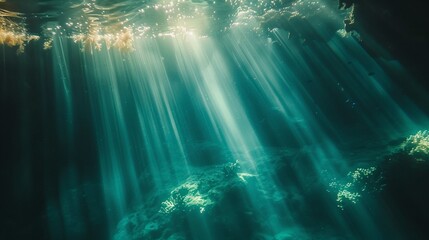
214,119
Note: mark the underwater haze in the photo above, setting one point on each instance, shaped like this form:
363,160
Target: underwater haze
214,119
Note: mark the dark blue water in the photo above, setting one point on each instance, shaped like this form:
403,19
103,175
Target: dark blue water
211,120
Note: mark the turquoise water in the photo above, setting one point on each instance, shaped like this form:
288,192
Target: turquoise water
206,120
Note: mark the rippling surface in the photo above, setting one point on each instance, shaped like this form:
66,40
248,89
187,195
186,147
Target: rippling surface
117,23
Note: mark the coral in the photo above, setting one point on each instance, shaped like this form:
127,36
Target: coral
201,192
357,182
417,145
185,198
202,195
345,194
48,44
230,169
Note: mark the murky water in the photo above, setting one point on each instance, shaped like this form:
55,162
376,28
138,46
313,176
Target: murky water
205,120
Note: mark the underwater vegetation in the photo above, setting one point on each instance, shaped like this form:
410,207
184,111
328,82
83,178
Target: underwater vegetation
417,146
398,181
216,196
360,181
412,153
13,34
205,196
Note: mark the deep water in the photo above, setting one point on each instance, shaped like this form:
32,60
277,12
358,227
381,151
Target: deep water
261,120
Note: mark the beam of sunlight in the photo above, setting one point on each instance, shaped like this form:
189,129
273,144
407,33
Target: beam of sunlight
213,120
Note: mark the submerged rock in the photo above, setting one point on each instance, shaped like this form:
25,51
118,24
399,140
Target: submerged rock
224,202
214,198
398,182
